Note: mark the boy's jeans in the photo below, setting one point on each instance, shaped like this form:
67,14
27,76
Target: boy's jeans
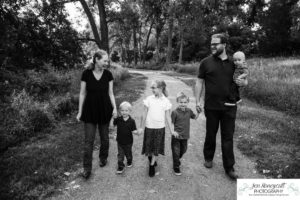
124,150
179,147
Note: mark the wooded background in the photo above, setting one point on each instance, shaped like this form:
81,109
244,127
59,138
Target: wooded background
35,32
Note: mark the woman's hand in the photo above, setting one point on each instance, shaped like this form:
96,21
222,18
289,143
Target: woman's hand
78,117
115,113
241,82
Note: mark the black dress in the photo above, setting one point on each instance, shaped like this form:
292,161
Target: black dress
97,107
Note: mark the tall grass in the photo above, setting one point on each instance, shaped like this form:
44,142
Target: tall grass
275,82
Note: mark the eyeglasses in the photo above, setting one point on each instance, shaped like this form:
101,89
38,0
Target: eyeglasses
215,44
152,87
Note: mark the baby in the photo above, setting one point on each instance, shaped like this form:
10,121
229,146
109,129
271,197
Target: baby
240,72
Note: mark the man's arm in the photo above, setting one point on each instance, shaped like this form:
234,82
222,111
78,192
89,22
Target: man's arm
199,92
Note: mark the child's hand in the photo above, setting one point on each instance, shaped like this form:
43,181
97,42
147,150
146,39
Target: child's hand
199,109
140,131
175,134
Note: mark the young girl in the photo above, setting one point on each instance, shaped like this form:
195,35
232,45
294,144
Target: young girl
156,114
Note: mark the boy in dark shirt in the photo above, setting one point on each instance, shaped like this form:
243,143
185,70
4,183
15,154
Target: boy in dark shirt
181,119
125,127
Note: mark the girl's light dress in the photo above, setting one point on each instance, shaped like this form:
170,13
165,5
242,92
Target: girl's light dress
154,134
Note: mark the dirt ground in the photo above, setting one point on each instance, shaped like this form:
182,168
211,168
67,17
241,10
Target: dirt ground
196,181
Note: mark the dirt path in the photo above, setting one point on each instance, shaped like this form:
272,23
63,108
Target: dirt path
196,181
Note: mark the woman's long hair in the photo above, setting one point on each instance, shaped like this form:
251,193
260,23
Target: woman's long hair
162,84
99,54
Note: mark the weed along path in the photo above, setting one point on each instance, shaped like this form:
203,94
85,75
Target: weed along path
196,181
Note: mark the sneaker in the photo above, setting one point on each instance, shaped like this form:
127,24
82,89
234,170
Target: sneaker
102,163
231,174
120,170
208,164
177,171
151,170
230,104
129,164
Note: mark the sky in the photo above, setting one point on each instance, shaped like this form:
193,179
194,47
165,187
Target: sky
75,16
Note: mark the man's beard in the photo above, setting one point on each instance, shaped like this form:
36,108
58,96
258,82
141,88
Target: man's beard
218,52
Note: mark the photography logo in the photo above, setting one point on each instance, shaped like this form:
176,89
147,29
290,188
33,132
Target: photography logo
268,189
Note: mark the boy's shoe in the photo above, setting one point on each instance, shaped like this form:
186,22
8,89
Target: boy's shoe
208,164
129,164
177,171
151,170
120,170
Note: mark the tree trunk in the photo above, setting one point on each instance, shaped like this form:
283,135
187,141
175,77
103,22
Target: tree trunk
181,45
135,48
103,26
157,36
147,41
92,23
140,43
170,31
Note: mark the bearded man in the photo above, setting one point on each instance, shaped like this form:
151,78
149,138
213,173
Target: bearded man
215,76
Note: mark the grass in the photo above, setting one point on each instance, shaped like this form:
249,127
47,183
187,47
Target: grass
275,82
35,168
270,138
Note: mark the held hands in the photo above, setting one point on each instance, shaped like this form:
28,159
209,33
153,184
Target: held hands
199,108
78,117
175,134
115,113
140,131
241,82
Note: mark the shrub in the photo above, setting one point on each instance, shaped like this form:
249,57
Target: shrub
23,118
63,105
39,84
119,73
38,120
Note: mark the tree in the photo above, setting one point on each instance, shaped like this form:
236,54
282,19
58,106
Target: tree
100,37
37,33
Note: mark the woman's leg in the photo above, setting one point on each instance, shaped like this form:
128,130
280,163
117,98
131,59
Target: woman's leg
104,143
89,137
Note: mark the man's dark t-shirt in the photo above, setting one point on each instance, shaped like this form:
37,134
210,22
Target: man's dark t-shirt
218,76
124,130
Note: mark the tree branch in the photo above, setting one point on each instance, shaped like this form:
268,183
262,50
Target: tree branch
87,39
92,22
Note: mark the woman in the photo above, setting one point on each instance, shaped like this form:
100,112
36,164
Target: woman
96,107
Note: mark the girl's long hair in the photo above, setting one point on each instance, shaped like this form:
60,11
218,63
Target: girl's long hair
162,84
99,54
